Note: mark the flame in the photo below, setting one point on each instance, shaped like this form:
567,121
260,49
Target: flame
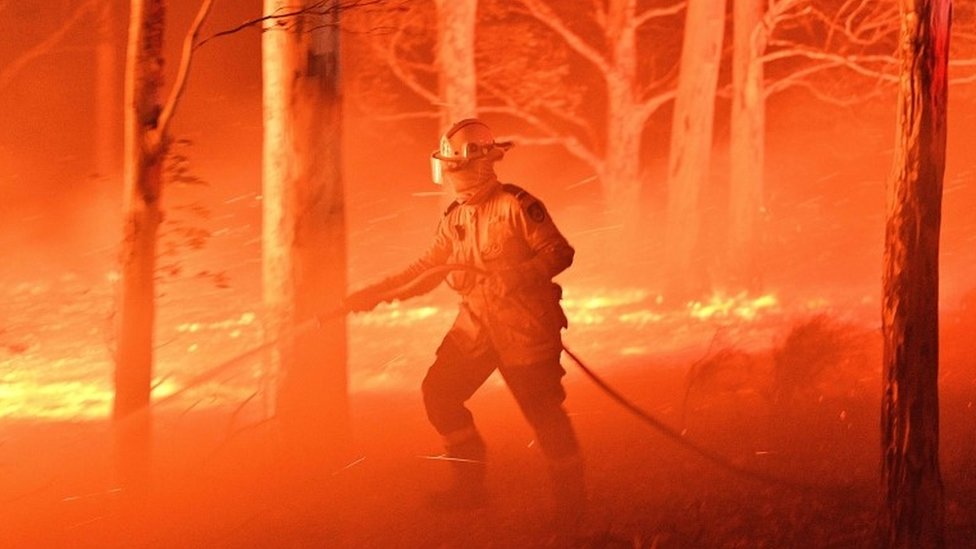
29,399
739,305
389,349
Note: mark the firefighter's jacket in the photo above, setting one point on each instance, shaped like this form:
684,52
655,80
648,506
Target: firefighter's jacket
508,229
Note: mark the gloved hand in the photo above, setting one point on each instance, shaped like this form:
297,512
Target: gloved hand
365,299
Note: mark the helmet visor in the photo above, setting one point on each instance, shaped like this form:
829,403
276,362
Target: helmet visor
436,169
441,163
439,166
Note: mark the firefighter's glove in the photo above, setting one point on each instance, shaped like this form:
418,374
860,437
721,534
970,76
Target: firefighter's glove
362,300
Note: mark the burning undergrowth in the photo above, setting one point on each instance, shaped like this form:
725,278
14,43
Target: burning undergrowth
790,390
817,357
57,342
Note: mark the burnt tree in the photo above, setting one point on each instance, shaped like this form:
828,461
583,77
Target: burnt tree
147,139
691,144
457,77
304,230
912,493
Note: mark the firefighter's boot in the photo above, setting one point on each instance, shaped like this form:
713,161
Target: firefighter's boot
568,492
467,490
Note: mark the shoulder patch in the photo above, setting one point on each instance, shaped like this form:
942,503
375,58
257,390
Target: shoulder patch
533,208
450,208
536,212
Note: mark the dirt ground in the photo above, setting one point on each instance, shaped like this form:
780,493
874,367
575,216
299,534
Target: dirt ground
218,480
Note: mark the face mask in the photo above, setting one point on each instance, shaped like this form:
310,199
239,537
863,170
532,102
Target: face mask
471,183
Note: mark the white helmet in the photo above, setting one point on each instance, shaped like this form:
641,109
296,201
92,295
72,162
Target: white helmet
468,140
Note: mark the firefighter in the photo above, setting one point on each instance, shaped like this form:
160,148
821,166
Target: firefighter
509,316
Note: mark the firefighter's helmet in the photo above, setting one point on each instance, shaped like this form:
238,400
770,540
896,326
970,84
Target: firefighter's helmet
467,140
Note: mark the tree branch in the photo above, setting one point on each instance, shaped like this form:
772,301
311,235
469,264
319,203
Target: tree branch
651,14
389,55
796,78
599,13
403,116
576,121
544,14
853,62
779,13
571,144
322,7
8,72
961,80
832,99
650,93
650,105
182,74
858,28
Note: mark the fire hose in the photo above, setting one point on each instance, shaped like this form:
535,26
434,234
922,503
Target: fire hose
645,417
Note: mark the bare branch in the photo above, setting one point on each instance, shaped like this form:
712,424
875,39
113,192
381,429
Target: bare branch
856,63
652,91
962,80
182,74
544,14
576,121
858,29
521,139
839,101
796,78
571,144
400,117
45,46
600,13
281,17
652,14
650,105
392,60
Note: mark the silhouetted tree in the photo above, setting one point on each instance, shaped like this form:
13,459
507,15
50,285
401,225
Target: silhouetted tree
429,49
747,147
457,76
146,141
632,96
842,53
912,507
691,143
529,81
304,234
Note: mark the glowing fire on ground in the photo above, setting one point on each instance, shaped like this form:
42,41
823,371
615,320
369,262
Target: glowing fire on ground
390,349
739,305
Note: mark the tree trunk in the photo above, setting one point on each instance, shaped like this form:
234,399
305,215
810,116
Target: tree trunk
457,78
691,142
747,146
621,167
304,250
106,92
141,207
141,217
912,507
